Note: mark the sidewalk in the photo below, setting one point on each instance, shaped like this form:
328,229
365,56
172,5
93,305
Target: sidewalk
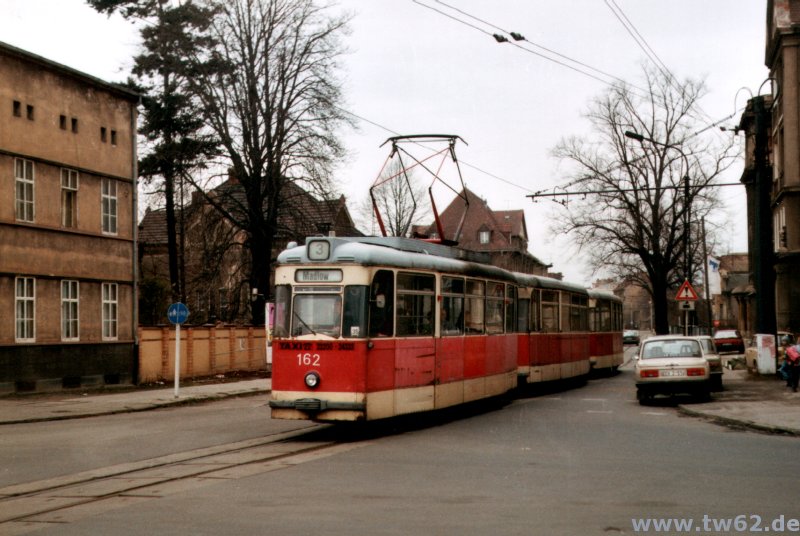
52,407
759,403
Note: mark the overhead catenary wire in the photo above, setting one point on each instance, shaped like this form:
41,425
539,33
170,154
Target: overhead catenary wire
517,37
637,36
490,34
630,28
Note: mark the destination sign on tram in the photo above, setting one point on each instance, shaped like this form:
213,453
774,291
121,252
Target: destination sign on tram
318,276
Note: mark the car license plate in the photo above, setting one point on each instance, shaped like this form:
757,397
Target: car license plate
673,373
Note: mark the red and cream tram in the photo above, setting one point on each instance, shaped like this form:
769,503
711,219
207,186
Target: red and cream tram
369,328
605,327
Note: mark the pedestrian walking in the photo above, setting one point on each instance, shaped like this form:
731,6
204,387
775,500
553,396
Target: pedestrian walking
792,360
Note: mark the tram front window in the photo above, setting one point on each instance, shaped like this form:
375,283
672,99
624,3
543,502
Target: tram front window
317,314
356,302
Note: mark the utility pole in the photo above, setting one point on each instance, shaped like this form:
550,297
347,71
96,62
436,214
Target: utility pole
709,316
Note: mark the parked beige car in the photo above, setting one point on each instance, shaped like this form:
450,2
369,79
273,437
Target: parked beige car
671,364
714,360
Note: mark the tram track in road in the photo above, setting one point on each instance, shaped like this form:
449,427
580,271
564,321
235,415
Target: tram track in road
30,506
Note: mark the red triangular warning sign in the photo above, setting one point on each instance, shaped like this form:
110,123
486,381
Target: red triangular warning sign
686,292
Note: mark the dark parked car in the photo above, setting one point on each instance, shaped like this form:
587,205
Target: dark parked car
630,336
729,340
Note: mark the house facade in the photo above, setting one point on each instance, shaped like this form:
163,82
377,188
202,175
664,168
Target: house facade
67,227
783,60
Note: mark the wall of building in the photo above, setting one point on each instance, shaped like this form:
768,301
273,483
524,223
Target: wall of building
53,95
783,60
53,118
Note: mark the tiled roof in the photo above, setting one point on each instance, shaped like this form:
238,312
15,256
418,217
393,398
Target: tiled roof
503,224
153,227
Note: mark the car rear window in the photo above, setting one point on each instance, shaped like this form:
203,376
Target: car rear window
673,348
726,335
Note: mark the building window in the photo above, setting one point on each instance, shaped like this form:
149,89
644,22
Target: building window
113,137
17,108
25,300
109,206
110,305
75,125
23,171
62,122
29,111
69,197
484,236
780,240
103,134
69,310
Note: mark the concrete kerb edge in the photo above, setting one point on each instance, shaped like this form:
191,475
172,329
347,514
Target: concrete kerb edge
148,407
738,423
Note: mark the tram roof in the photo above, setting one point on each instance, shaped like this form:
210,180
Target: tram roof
416,254
604,294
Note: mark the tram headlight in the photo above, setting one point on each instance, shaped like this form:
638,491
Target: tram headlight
312,380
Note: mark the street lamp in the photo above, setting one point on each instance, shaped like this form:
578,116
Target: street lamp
687,201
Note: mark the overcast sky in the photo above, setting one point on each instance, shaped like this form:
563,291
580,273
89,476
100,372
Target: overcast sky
413,70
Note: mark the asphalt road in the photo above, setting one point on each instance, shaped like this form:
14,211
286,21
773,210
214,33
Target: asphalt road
588,460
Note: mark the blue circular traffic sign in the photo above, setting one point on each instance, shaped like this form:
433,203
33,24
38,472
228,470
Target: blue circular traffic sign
178,313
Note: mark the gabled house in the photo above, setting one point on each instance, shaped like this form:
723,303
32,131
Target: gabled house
503,234
215,264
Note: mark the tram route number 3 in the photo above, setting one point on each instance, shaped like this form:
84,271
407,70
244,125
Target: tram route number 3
308,359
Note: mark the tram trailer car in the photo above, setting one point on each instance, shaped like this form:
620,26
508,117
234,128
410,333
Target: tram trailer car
606,351
369,328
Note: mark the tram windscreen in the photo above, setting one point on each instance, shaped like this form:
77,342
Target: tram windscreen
317,314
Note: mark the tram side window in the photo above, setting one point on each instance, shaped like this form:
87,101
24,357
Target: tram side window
579,313
494,307
415,298
473,307
354,324
617,316
566,312
511,308
452,313
523,315
283,296
536,317
605,317
381,304
549,311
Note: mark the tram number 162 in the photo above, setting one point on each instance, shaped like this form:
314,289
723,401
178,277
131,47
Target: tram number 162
308,359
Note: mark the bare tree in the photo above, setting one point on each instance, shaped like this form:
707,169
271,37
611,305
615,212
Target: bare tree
644,198
270,95
399,197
